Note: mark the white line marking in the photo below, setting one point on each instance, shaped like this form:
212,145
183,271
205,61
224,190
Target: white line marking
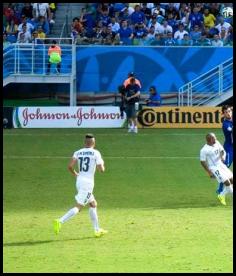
105,157
106,134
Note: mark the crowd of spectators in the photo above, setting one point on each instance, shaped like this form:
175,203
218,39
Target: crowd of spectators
185,24
27,22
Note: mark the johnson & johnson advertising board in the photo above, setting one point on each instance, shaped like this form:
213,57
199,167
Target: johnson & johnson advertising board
68,117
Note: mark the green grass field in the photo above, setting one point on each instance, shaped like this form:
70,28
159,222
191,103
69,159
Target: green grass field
156,201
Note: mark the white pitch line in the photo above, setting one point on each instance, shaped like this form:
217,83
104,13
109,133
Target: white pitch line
105,134
105,157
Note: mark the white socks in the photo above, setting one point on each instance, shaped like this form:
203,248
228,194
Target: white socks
94,218
71,213
230,189
227,190
92,213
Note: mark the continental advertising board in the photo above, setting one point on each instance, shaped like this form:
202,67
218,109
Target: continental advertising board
68,117
180,117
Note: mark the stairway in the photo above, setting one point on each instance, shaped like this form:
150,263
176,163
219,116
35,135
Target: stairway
65,10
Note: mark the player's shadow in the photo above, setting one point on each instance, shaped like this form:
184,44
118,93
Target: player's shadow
30,243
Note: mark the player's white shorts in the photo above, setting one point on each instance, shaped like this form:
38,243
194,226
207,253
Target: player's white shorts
221,172
85,190
84,197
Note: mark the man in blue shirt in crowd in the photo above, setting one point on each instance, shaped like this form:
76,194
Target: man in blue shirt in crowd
154,97
227,128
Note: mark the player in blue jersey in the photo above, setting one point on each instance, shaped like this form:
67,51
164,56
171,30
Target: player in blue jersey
227,128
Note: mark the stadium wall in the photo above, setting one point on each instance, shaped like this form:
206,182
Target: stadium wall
104,68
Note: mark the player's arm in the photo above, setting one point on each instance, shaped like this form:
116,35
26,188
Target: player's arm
71,166
204,164
137,94
101,167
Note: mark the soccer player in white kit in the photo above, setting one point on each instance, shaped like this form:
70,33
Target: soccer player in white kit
89,159
212,156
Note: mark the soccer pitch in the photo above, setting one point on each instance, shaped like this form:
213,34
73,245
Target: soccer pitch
155,199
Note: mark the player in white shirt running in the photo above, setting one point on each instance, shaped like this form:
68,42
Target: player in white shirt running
212,156
89,159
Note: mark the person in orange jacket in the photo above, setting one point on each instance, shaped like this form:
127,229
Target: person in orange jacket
54,53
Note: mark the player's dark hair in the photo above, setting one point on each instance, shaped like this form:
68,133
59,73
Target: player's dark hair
225,107
89,135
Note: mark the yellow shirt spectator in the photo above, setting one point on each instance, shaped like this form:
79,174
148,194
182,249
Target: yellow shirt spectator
209,19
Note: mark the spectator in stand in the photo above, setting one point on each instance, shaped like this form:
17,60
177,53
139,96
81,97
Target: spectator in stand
158,10
206,31
151,34
54,53
35,38
41,9
196,18
169,41
172,10
104,17
186,41
215,9
29,26
209,19
179,35
157,41
24,36
27,10
115,26
11,31
125,33
153,22
87,19
124,15
76,25
223,24
41,21
41,33
53,8
195,34
118,7
109,36
10,14
140,31
224,36
154,98
137,16
185,18
172,22
6,43
204,41
182,9
147,12
165,28
216,41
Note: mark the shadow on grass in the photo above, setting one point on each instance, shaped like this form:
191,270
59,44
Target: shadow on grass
30,243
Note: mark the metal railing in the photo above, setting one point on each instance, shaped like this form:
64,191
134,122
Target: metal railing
207,86
33,58
65,26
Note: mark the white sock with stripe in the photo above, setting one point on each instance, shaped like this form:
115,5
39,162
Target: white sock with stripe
94,218
70,214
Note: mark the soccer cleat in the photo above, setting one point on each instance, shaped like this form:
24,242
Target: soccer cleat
57,226
222,199
100,232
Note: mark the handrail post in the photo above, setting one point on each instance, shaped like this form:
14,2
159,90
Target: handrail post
220,79
44,71
15,61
